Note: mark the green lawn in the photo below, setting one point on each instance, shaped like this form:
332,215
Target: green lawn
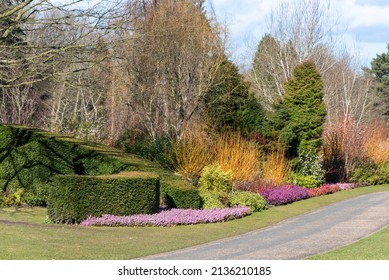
28,237
373,247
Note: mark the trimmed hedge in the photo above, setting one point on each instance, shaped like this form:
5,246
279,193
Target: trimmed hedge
180,194
30,157
73,198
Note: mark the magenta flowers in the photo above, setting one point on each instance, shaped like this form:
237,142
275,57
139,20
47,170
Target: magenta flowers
284,194
170,217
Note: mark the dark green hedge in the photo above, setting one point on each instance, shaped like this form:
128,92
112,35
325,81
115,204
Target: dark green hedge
29,157
72,198
177,194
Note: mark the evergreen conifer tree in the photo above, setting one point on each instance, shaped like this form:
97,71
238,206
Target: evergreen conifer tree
229,104
298,119
380,71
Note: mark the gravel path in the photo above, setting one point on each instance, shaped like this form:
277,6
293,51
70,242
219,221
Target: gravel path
297,238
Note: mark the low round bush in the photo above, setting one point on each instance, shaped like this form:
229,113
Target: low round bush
211,201
215,181
252,200
12,198
372,174
306,181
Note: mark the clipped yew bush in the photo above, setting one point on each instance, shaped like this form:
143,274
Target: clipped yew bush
73,198
180,194
29,158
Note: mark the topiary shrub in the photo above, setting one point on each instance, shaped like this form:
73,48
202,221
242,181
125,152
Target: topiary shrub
252,200
72,198
179,194
29,157
215,181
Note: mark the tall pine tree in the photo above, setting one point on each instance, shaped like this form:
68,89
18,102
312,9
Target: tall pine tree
298,120
380,71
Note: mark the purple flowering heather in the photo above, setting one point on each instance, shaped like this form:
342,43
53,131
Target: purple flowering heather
170,217
284,194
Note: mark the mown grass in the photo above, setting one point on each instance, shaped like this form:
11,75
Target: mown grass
373,247
26,236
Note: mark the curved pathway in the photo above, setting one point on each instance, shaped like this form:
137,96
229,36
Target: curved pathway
316,232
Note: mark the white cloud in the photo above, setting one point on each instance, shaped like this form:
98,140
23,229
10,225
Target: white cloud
365,21
364,13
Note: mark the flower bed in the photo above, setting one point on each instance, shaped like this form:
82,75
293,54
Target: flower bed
323,190
170,217
284,194
332,188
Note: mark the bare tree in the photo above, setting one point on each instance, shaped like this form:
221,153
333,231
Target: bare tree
304,30
348,93
49,67
298,31
32,37
172,56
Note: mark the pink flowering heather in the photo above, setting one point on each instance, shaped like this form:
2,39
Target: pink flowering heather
170,217
284,194
347,186
332,188
324,189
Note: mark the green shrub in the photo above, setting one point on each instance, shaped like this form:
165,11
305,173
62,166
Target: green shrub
11,198
371,173
306,181
37,196
249,199
73,198
211,201
215,181
179,194
28,158
310,165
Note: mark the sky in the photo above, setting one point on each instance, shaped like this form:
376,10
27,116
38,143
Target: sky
364,25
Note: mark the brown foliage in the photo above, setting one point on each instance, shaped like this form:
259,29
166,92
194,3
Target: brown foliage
376,144
345,144
276,167
238,155
230,150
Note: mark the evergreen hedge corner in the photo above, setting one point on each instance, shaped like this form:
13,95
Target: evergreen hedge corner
72,198
179,194
30,157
